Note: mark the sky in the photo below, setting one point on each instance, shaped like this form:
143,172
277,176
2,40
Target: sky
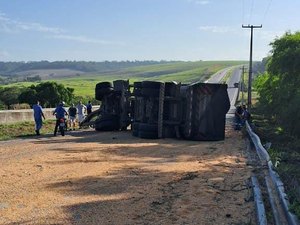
99,30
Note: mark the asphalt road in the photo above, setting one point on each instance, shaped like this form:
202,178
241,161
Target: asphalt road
232,91
217,77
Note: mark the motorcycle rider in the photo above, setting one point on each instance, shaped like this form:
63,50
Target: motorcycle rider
60,113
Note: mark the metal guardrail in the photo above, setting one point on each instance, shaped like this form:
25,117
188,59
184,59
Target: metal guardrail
265,158
259,205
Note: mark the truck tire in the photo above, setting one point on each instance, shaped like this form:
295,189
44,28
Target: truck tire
148,134
105,126
103,85
169,132
137,92
148,127
137,84
137,88
135,129
170,89
135,126
150,92
109,117
101,126
151,84
107,122
101,92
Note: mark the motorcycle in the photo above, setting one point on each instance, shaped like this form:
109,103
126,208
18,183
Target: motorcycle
62,126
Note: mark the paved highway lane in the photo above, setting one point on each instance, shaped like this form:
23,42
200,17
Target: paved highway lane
232,91
217,77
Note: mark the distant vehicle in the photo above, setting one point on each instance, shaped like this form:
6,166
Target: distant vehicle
236,85
162,109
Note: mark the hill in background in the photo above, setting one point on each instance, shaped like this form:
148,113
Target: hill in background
20,71
83,76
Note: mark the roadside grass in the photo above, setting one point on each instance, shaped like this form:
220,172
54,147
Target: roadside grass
284,153
24,129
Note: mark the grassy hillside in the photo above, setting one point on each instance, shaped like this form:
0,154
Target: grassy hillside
185,72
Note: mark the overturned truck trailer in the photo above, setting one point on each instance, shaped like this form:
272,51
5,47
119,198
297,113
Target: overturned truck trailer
159,110
205,111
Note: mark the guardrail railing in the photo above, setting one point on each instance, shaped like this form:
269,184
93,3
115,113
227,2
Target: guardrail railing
265,159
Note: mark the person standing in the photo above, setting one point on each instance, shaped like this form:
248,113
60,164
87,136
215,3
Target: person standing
72,116
238,117
60,113
81,108
246,114
38,115
89,108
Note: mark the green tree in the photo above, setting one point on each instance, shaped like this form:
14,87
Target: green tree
28,95
279,88
9,95
51,93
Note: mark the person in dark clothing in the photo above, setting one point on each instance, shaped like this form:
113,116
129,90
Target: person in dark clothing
89,108
60,113
72,116
246,114
38,115
238,115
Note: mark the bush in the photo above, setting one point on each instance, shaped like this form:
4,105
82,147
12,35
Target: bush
2,105
20,106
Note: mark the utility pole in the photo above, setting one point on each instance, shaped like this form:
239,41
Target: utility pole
250,63
242,84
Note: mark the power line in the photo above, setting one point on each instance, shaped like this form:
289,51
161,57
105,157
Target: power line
267,10
252,8
251,11
243,11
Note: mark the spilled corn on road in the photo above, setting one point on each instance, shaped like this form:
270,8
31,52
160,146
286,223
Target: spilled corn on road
89,177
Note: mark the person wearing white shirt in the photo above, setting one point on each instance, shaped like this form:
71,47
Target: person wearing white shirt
81,109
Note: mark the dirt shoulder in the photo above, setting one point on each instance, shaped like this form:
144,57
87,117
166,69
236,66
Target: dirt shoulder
88,177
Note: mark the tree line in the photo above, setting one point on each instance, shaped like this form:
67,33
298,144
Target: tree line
278,87
48,93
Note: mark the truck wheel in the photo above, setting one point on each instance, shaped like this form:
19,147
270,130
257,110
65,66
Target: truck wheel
148,135
151,84
137,92
105,126
148,127
137,88
135,126
103,85
135,129
170,89
137,84
101,92
107,122
150,92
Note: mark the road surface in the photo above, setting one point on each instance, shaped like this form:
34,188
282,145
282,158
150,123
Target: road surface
96,178
88,177
233,91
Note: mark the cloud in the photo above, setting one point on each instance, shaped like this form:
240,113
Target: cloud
8,25
83,39
217,29
200,2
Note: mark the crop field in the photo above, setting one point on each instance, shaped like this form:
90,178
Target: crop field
185,72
